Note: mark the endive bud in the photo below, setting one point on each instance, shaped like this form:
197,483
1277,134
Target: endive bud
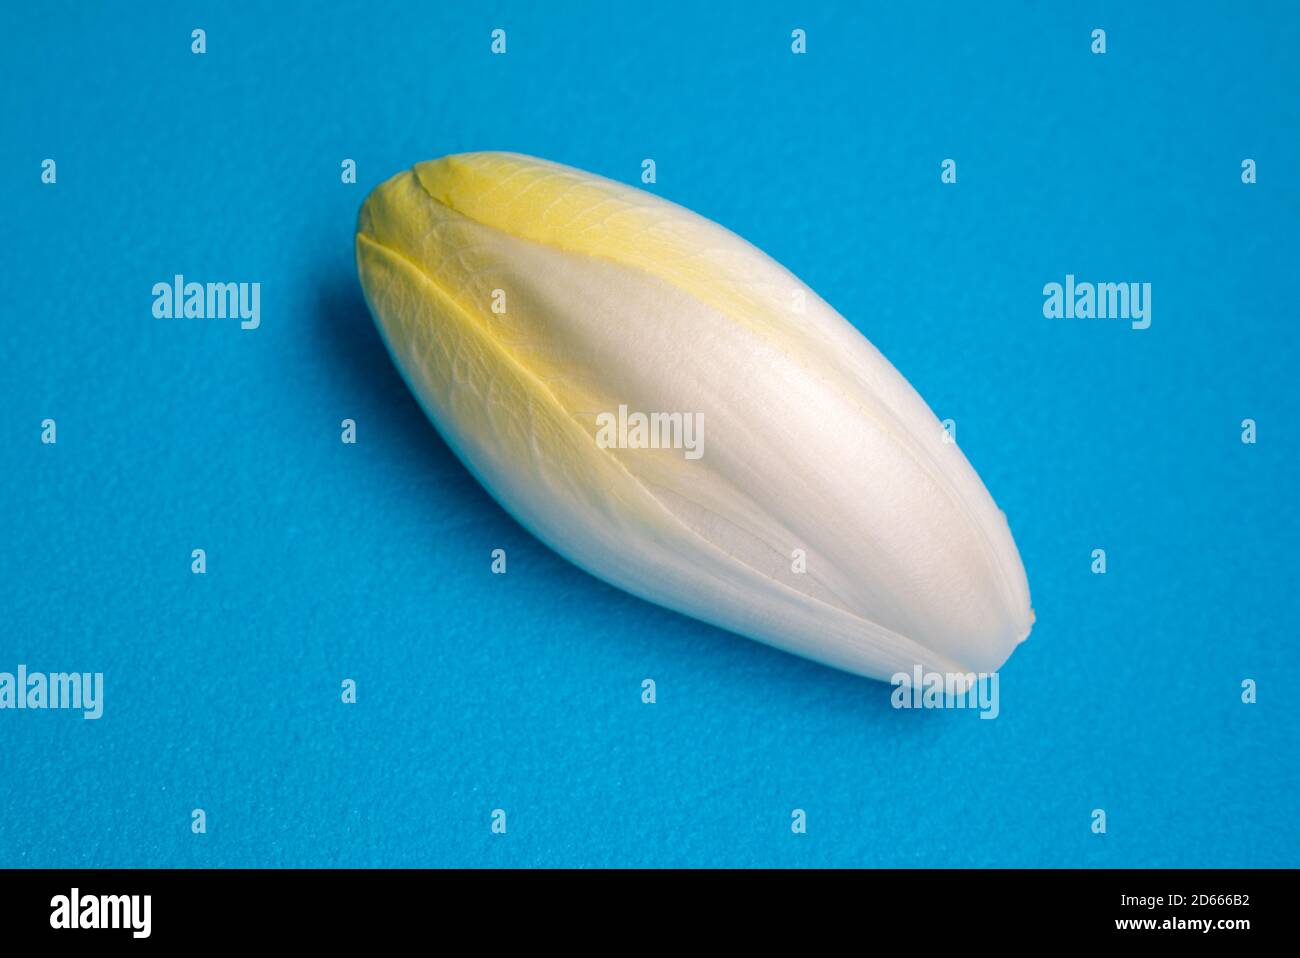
527,302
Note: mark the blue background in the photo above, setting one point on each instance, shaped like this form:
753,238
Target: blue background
328,561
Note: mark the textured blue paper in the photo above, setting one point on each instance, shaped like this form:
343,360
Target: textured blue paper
522,692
